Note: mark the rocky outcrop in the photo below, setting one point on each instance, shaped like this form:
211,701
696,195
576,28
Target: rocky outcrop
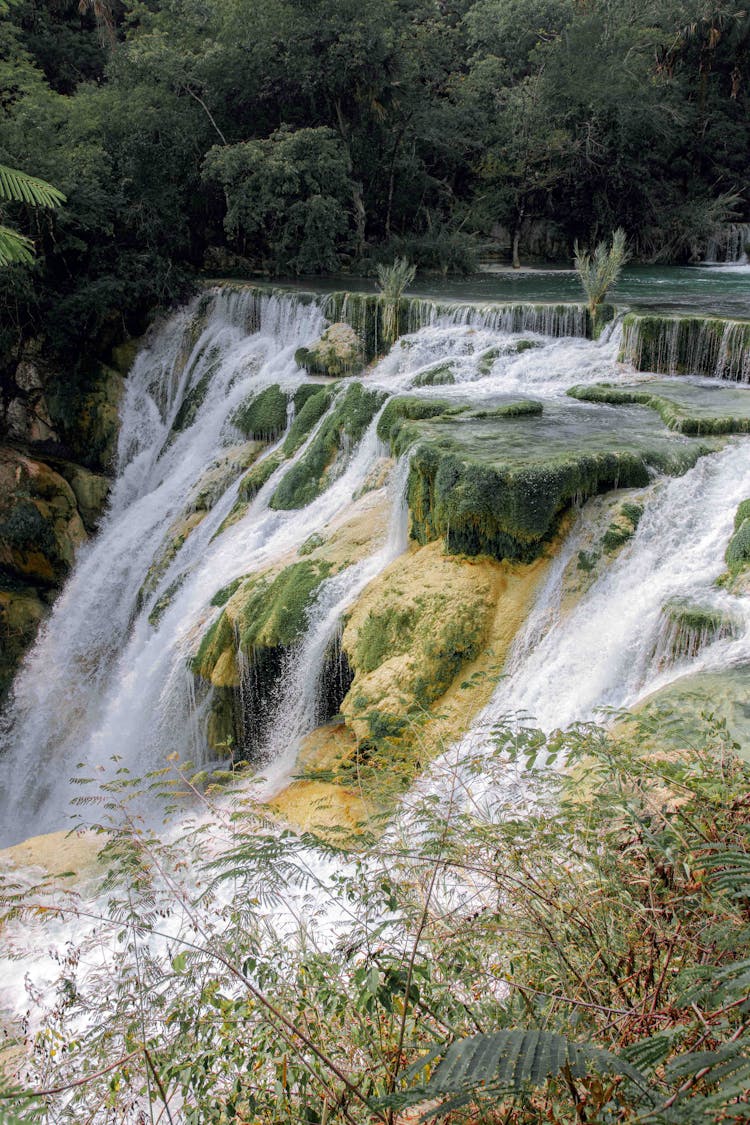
61,437
336,354
41,527
497,481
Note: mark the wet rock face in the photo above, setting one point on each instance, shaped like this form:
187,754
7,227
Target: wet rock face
40,525
21,613
45,515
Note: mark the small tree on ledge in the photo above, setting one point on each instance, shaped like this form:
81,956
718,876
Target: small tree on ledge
392,281
599,271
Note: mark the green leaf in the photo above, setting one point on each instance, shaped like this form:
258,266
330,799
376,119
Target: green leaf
14,247
21,188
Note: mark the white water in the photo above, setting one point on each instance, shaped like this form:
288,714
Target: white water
105,688
728,247
603,653
102,681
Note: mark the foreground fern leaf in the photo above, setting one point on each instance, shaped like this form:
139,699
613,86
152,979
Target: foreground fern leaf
511,1062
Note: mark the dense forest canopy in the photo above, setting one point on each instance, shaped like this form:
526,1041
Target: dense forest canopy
311,136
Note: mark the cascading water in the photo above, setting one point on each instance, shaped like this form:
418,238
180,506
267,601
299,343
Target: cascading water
730,245
110,675
606,652
109,682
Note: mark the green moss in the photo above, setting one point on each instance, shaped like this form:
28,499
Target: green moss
587,560
313,409
410,408
222,596
498,485
689,627
311,544
510,409
503,511
250,486
486,361
383,635
603,316
616,536
684,408
632,512
525,346
264,417
164,602
262,613
742,513
686,345
623,528
253,481
192,402
439,376
344,427
737,554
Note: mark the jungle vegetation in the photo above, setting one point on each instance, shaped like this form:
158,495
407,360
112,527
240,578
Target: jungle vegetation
522,945
311,136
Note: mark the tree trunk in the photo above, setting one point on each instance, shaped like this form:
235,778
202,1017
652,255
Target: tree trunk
516,239
517,236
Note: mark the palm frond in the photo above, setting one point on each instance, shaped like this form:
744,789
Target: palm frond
599,271
22,188
14,247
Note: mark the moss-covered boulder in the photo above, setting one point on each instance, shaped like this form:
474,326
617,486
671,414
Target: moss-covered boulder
40,526
327,456
261,618
265,416
337,353
439,375
86,414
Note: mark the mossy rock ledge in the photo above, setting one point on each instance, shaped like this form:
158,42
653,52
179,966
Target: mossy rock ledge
243,651
686,408
687,345
496,482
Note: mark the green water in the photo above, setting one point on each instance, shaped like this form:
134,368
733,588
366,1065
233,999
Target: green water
717,290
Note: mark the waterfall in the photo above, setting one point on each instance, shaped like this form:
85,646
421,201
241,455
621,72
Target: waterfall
606,651
688,345
729,245
109,683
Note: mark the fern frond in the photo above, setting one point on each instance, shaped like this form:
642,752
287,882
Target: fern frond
22,188
730,872
512,1061
14,247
